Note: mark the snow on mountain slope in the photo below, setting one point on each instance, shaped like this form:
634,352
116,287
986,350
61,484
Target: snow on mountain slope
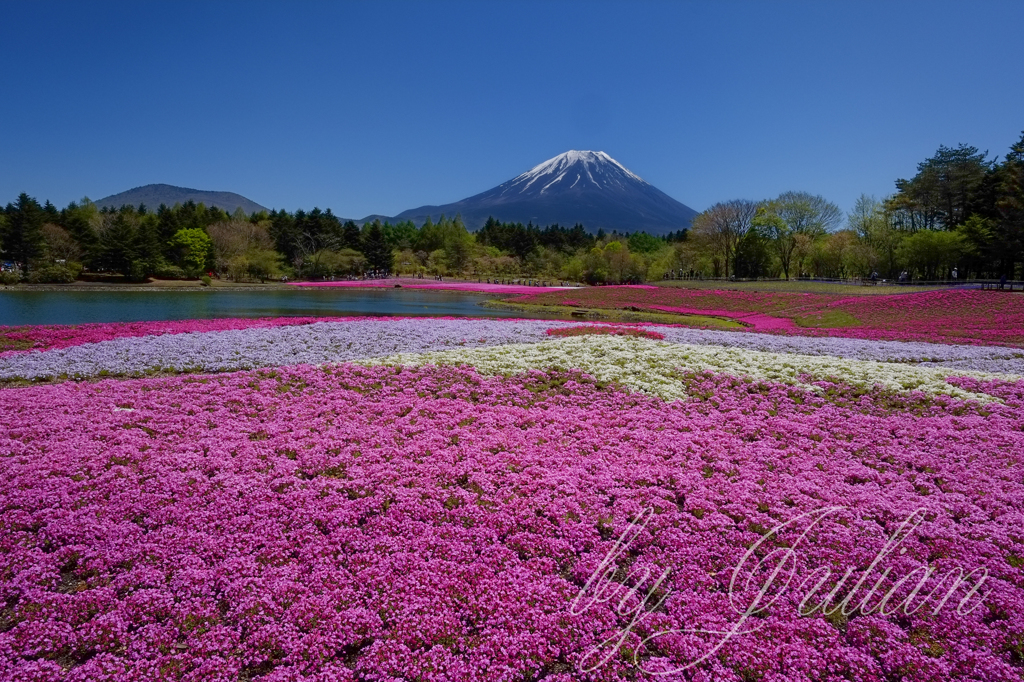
576,166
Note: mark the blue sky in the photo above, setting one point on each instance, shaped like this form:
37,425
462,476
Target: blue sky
379,107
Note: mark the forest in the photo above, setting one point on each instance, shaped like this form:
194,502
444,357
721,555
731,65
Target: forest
962,210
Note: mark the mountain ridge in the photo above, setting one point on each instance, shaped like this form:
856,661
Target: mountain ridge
584,187
155,194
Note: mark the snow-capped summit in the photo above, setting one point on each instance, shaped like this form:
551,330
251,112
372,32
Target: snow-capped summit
574,167
584,187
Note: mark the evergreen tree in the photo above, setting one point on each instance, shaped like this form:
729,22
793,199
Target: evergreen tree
350,238
22,239
376,250
948,188
116,250
75,219
1010,205
148,245
284,233
431,236
169,221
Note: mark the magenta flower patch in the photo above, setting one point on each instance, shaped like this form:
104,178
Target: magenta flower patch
351,523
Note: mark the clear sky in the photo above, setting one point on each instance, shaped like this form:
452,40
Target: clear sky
377,107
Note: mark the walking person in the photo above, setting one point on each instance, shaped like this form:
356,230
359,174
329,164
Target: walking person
954,274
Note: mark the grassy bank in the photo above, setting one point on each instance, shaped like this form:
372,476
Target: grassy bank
610,315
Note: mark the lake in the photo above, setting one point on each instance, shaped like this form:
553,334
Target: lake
20,307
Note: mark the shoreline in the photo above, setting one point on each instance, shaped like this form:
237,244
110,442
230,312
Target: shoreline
106,286
464,286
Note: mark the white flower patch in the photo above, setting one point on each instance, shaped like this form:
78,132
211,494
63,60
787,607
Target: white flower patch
653,366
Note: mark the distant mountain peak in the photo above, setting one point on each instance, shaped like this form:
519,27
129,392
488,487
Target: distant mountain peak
576,186
154,195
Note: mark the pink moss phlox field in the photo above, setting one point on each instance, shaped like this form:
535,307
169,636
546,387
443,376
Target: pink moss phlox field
348,523
45,337
962,316
766,302
755,321
410,283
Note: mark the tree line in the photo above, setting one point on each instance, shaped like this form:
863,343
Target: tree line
961,210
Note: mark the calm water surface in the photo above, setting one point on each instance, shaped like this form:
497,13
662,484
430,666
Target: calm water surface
77,307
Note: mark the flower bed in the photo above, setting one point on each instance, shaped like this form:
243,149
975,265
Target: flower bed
440,523
655,368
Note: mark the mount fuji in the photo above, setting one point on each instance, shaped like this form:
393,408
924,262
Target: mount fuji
584,187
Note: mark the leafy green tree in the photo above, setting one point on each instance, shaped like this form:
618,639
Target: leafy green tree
932,254
458,249
236,237
264,264
194,248
833,254
752,258
780,239
430,237
641,242
978,235
436,262
77,219
873,224
723,225
261,264
401,236
809,214
60,245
